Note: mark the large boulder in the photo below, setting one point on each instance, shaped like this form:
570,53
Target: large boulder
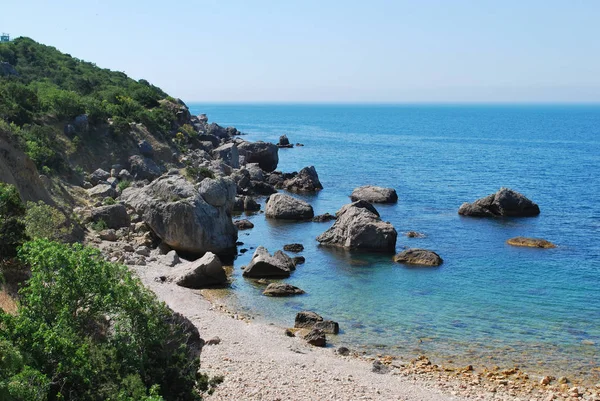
143,168
102,191
229,154
187,218
263,153
307,180
204,272
420,257
504,203
114,216
285,207
358,226
99,176
374,194
265,265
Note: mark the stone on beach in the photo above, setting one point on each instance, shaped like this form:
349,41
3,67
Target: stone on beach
374,194
530,242
504,203
358,226
421,257
285,207
204,272
265,265
282,290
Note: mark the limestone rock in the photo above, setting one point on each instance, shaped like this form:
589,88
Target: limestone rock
530,242
264,265
307,180
171,259
358,226
282,290
114,216
204,272
102,191
187,219
229,154
421,257
504,203
99,176
285,207
243,224
143,168
263,153
374,194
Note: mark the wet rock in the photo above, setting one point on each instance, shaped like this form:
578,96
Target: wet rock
243,224
285,207
293,247
323,218
307,180
421,257
530,242
264,265
282,290
204,272
414,234
358,226
307,319
373,194
504,203
328,326
298,260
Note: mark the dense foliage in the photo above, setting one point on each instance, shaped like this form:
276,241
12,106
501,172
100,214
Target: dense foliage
12,225
54,87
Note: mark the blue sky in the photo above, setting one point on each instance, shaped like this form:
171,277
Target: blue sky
332,51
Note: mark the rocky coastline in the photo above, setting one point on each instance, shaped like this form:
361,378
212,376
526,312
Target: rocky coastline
154,217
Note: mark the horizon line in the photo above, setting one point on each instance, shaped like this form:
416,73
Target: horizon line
399,103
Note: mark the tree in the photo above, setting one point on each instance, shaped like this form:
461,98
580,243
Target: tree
12,227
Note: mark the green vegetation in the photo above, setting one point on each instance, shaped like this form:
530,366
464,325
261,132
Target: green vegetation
85,328
52,87
122,185
45,221
196,173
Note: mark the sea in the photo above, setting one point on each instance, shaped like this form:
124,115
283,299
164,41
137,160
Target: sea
489,304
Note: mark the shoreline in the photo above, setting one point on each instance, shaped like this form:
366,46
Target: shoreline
259,362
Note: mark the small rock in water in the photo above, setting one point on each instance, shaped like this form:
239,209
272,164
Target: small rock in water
298,260
293,247
282,290
414,234
530,242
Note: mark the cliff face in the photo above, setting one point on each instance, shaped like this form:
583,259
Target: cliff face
18,169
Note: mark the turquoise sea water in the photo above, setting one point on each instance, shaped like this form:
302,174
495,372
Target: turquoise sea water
489,303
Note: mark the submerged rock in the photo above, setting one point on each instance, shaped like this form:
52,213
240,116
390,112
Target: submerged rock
358,226
282,290
530,242
285,207
421,257
264,265
504,203
374,194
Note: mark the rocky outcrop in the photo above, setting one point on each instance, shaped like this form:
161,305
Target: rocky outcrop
190,219
204,272
114,216
285,207
229,154
420,257
358,226
263,153
102,191
307,180
504,203
374,194
143,168
530,242
284,142
282,290
263,265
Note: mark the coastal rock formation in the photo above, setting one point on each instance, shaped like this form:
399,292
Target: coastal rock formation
374,194
229,154
284,142
264,265
307,180
312,320
421,257
282,290
530,242
204,272
285,207
245,203
114,216
505,202
188,219
358,226
263,153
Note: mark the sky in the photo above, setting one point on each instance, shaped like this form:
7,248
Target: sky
443,51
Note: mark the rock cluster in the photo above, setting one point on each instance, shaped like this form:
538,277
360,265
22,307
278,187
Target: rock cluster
504,203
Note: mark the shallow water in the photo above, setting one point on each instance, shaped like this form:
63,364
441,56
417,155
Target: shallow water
488,303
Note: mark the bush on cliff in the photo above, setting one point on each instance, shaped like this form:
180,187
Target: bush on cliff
12,226
87,330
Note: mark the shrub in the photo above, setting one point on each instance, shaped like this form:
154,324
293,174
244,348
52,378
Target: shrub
122,185
99,225
12,226
45,221
96,331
